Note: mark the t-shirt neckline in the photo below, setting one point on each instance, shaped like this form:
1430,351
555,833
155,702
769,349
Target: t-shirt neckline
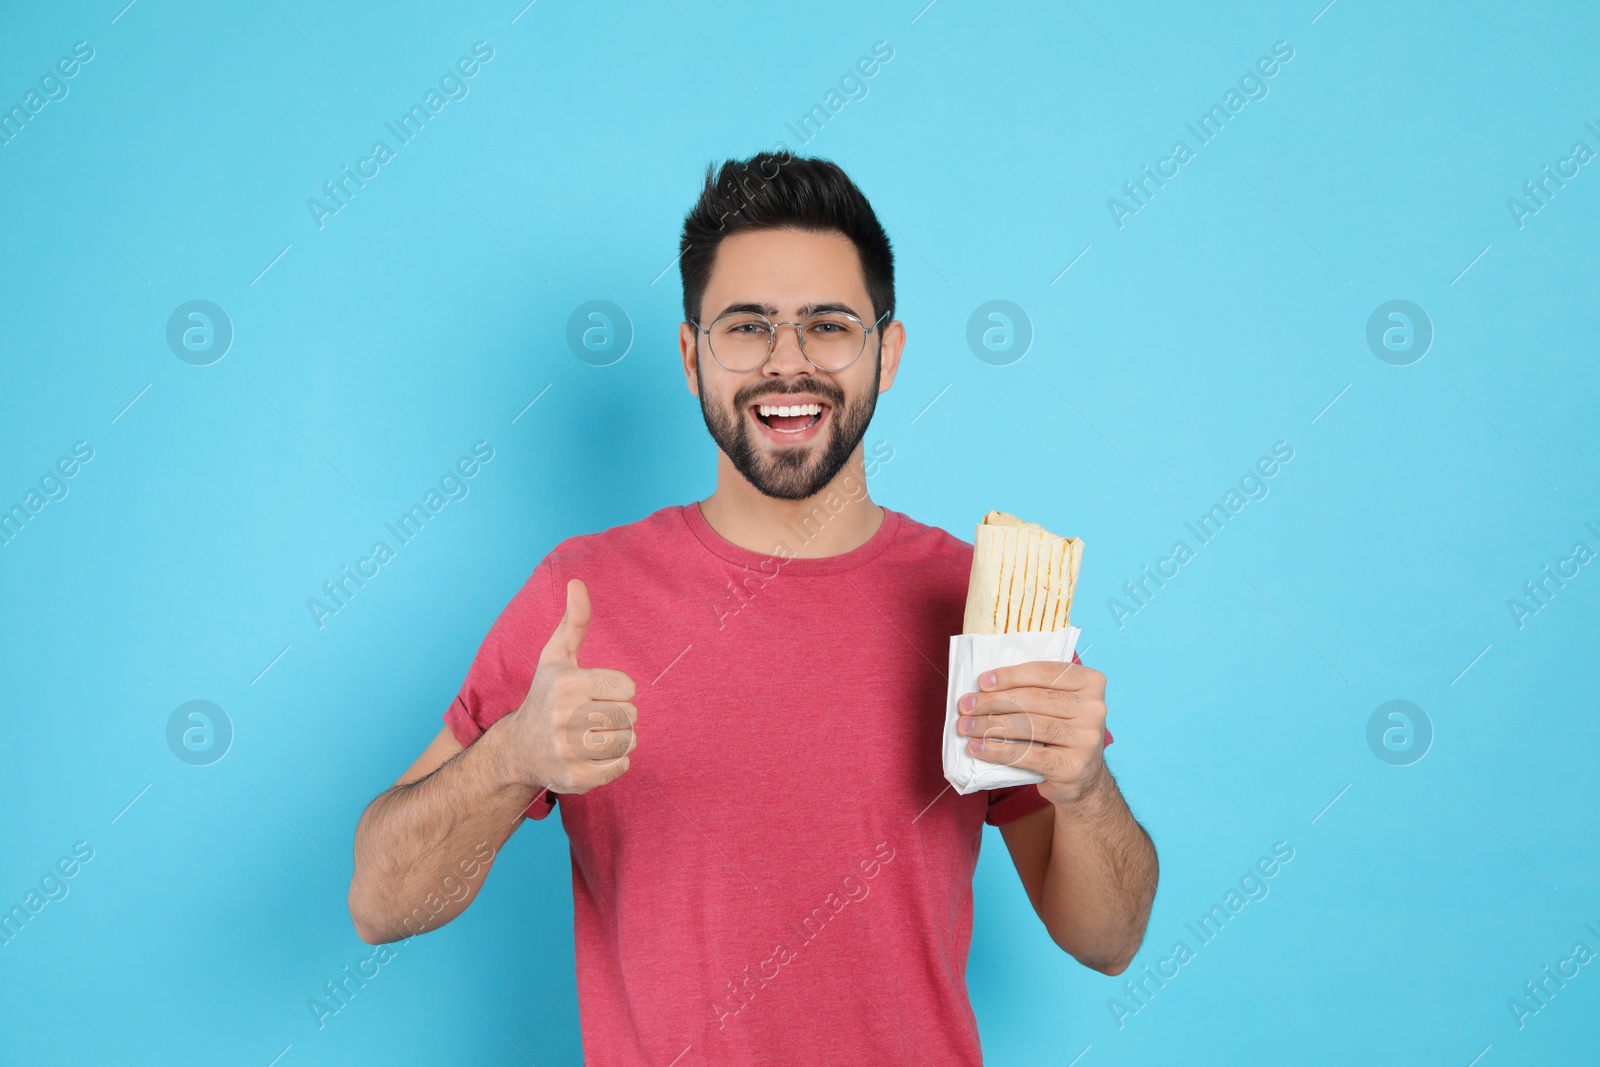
864,553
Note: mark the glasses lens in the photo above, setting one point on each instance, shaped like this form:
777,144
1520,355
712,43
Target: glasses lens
834,340
741,341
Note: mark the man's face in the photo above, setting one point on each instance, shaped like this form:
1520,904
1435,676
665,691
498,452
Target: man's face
786,273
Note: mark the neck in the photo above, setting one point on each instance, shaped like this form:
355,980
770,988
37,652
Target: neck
838,518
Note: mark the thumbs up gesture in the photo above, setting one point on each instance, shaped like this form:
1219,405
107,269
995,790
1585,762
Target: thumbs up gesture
576,725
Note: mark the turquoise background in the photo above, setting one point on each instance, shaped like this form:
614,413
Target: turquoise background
1226,315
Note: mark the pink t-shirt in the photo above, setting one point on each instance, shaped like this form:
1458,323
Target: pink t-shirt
783,875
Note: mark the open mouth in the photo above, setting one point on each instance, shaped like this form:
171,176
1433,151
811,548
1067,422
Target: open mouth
789,418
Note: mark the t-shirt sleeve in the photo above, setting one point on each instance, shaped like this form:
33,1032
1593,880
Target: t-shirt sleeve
1012,803
502,671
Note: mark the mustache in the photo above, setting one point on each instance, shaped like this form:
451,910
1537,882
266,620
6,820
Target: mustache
832,393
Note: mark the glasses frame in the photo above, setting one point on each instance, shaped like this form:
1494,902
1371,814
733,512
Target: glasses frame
772,339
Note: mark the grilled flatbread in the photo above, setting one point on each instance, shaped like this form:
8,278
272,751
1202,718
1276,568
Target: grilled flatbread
1022,577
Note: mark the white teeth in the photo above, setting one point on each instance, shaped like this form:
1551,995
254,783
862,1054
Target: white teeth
789,409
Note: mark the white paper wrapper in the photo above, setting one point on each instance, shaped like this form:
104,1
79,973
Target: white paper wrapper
970,656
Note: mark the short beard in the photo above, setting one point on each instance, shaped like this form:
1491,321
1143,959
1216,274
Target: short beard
791,473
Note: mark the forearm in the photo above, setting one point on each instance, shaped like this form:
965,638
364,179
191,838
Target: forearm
416,843
1101,880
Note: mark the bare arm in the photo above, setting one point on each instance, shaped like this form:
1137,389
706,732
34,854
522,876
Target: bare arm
432,833
425,845
1088,866
1090,871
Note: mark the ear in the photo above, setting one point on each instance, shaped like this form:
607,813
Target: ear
894,343
689,350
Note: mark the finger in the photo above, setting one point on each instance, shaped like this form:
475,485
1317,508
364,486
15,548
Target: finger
1044,674
605,746
996,749
994,738
605,715
603,683
1061,703
600,730
1041,759
562,648
1022,727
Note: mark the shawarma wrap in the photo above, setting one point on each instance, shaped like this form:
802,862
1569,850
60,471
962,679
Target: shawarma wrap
1022,577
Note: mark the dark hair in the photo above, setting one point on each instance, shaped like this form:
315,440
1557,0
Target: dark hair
770,191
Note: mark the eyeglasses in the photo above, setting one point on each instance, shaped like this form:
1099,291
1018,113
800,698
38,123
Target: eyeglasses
742,341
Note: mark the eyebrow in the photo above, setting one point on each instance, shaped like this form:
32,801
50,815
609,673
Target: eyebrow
770,310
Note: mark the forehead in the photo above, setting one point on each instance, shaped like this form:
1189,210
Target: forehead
792,267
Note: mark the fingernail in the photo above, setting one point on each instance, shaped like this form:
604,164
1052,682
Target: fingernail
976,744
987,679
966,724
968,701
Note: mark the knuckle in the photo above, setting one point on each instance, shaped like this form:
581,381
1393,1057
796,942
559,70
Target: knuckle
606,715
1000,705
1051,731
610,684
993,727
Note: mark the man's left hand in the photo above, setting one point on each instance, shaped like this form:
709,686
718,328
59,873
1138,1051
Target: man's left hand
1047,717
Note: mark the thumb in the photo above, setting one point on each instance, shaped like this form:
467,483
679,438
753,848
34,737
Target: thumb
562,648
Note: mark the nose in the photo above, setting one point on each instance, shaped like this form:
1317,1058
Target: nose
787,356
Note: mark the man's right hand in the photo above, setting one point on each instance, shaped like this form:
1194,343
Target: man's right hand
575,729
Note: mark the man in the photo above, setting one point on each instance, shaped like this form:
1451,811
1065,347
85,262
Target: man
738,705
